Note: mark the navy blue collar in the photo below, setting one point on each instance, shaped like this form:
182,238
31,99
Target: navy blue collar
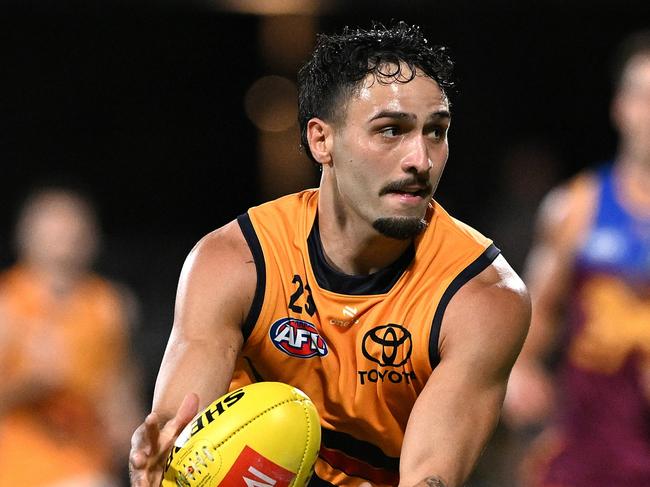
328,278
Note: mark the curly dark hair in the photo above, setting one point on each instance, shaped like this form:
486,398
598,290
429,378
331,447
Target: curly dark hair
341,62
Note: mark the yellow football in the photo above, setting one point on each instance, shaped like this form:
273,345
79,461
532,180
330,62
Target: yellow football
263,434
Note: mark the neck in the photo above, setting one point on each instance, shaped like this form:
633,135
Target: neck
350,244
634,155
634,177
56,280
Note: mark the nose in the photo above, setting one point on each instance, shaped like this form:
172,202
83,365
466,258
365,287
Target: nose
416,159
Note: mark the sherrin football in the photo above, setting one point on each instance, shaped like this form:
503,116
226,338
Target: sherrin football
263,434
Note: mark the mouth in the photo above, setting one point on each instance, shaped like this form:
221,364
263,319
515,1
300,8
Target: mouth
422,192
409,198
409,195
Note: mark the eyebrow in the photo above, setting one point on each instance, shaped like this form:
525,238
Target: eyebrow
440,114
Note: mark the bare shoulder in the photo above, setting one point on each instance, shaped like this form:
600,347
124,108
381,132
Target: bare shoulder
487,320
214,296
220,274
224,250
567,210
563,223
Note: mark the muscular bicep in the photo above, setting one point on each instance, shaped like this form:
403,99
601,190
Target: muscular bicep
483,330
215,291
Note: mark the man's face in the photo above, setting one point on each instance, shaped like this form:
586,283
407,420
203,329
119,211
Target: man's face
389,152
632,105
58,232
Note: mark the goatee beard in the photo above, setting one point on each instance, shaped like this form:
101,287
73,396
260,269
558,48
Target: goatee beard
400,228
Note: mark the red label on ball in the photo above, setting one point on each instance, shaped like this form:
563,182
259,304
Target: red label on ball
254,470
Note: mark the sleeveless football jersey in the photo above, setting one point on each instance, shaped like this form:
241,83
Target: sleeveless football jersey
58,436
605,414
362,347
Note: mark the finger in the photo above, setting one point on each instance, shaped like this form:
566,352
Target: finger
151,434
137,460
143,441
188,408
139,479
186,411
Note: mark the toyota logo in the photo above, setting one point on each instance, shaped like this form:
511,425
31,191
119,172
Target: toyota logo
388,345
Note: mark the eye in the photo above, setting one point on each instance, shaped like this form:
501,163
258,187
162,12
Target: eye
437,133
391,131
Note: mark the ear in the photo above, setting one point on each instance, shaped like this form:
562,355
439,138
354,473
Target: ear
319,137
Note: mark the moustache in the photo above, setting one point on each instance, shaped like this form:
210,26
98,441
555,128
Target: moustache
425,188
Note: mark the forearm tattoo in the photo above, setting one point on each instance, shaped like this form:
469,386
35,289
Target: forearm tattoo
434,482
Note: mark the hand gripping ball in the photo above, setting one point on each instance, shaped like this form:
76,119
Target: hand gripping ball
265,434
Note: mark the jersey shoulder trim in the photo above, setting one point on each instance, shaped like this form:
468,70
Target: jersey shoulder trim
471,271
253,242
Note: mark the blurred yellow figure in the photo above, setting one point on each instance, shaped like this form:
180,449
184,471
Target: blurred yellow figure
67,400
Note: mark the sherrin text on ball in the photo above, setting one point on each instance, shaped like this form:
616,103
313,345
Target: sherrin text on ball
263,434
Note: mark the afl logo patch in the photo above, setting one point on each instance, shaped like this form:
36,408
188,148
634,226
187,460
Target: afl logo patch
297,338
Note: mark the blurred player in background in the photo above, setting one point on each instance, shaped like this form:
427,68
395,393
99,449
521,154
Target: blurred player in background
589,276
67,395
400,322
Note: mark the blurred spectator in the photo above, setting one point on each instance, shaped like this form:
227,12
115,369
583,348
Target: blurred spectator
67,395
589,277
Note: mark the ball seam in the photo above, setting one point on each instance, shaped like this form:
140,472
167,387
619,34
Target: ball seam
307,443
260,414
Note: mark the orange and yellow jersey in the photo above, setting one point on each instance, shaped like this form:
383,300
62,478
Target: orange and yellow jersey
362,347
57,434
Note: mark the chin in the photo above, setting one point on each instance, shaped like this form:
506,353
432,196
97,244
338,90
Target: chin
400,227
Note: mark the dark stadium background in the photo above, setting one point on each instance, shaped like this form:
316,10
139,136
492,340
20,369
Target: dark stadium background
142,104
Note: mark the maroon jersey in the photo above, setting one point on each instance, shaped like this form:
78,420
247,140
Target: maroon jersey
604,408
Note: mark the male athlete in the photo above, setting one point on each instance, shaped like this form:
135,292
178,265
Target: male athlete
400,322
590,270
68,399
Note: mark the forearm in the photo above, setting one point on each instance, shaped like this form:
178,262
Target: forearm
431,482
444,449
122,407
199,366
